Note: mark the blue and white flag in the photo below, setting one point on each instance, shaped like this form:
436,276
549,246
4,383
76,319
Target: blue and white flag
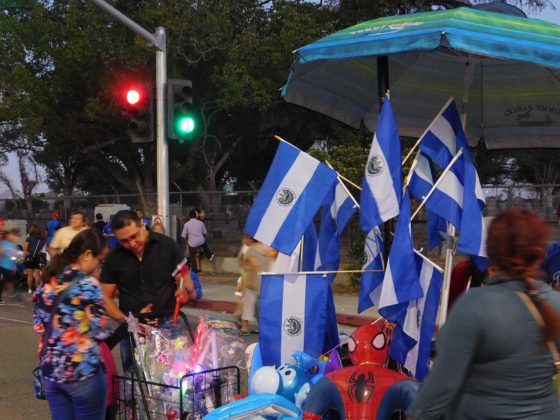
289,198
303,258
293,316
443,139
373,271
412,341
401,283
382,184
421,181
338,208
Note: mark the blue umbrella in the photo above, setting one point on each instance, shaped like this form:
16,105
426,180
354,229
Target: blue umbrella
504,69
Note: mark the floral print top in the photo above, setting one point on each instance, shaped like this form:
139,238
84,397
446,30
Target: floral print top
79,324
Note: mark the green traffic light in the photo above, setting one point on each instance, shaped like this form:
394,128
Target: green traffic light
185,125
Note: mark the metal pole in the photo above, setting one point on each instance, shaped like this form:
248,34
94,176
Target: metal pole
159,41
161,138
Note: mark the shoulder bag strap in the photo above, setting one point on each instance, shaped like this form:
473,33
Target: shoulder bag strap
540,322
36,247
54,307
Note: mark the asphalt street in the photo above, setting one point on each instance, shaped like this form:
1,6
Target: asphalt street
18,344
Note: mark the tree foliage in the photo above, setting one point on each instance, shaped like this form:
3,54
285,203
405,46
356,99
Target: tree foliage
64,63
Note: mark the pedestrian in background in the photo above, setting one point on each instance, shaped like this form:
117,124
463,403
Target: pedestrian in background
551,265
158,227
194,234
32,250
256,259
73,374
144,219
99,222
109,234
53,225
201,215
9,257
64,236
495,354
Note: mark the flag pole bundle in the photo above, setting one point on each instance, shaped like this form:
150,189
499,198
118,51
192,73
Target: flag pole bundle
297,306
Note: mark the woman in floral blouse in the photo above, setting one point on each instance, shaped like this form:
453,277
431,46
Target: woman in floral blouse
73,373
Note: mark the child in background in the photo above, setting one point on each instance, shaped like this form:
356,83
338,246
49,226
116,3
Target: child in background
256,259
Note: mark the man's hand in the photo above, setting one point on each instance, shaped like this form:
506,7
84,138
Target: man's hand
182,295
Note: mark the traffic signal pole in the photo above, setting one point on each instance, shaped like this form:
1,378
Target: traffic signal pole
159,41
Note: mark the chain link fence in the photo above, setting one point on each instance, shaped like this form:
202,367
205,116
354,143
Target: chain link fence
227,211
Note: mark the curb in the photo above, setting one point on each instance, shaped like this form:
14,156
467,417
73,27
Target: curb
229,307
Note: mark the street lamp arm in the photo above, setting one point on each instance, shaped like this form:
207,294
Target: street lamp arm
153,39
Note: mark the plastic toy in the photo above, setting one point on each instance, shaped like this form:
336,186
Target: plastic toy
367,390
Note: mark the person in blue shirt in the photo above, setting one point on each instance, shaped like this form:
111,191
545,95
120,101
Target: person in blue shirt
145,220
53,225
107,231
551,264
9,255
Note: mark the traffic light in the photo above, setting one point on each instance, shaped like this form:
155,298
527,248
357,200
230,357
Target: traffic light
138,102
182,116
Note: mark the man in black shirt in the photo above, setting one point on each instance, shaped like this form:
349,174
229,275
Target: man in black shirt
141,269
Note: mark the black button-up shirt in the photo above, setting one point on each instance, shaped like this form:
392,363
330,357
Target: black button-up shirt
148,281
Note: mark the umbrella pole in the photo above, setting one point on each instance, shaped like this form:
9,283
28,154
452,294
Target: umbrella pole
450,243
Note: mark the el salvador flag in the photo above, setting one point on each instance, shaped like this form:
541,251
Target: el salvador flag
370,281
292,193
382,184
442,140
421,181
416,321
302,258
338,208
290,316
401,283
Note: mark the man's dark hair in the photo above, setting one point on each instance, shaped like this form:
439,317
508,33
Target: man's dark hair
99,216
80,212
192,214
124,218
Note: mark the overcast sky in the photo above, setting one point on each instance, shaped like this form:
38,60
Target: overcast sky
11,169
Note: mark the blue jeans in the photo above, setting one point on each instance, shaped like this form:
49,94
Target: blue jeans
79,400
164,323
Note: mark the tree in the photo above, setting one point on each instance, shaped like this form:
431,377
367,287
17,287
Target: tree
29,179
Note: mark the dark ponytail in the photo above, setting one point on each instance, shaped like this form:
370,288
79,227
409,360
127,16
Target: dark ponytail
88,239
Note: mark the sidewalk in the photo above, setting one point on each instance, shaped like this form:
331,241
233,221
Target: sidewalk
218,295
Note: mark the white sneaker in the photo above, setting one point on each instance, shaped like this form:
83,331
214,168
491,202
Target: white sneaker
29,291
211,258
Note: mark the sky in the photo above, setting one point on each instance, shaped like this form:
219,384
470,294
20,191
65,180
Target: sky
11,170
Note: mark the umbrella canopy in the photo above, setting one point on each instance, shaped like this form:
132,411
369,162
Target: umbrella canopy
505,69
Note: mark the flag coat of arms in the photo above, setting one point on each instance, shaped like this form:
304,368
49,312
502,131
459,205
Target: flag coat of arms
382,184
291,195
373,273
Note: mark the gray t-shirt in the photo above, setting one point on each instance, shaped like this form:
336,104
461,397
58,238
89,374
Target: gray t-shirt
194,231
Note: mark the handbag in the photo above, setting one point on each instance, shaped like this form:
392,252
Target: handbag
31,258
551,345
41,259
37,375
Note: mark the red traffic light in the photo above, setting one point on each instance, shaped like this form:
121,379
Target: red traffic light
133,96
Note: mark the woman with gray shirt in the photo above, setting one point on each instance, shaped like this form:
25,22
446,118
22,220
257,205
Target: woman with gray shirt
493,361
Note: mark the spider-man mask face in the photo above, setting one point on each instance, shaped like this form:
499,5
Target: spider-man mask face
370,343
